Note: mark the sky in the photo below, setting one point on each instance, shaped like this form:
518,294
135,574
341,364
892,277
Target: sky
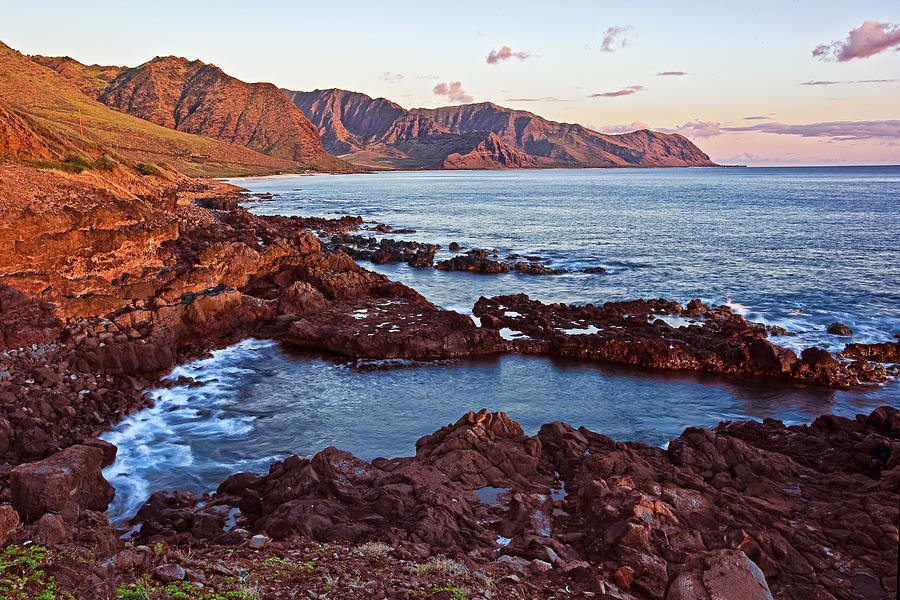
761,83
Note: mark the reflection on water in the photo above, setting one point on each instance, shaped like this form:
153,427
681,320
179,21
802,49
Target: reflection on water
263,402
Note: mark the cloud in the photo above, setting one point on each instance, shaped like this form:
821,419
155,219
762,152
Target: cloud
505,53
672,73
835,130
453,92
755,118
631,89
614,38
428,76
391,77
840,82
616,129
696,129
868,39
541,99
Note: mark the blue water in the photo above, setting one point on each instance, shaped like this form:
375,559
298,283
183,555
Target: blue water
796,247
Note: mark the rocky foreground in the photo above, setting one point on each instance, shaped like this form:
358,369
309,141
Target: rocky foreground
107,282
747,510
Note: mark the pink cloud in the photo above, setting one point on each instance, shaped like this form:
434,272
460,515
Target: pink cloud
840,82
505,53
836,130
616,129
453,91
697,129
677,73
868,39
614,37
391,77
631,89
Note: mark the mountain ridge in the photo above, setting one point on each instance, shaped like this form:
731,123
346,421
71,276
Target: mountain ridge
47,116
380,132
199,98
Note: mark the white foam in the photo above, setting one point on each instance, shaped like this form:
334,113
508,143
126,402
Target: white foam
511,334
678,321
160,438
586,330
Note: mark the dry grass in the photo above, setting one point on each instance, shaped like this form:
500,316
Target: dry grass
439,564
374,548
61,110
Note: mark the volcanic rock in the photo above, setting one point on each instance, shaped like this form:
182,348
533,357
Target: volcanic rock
70,476
839,329
740,509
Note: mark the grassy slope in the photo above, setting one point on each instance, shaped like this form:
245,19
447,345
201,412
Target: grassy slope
57,105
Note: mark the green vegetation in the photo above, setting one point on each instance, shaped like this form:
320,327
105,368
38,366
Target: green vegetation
77,163
22,575
455,592
147,169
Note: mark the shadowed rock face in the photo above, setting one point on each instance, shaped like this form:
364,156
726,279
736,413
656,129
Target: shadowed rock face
562,144
378,130
738,509
355,124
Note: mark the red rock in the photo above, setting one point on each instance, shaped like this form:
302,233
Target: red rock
70,476
50,530
9,522
168,573
720,574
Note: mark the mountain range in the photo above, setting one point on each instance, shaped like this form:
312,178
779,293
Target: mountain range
379,133
195,118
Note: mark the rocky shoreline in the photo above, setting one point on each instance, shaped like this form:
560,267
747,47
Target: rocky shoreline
80,342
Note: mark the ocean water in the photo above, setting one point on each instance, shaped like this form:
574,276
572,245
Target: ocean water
796,247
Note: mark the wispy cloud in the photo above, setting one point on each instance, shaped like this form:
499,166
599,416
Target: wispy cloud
616,129
428,76
541,99
755,118
676,73
835,130
696,129
844,82
453,92
868,39
391,77
627,91
614,38
505,53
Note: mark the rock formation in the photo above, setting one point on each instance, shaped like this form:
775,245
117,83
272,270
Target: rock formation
46,118
199,98
740,509
381,133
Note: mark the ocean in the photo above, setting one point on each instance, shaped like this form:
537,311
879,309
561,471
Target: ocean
795,247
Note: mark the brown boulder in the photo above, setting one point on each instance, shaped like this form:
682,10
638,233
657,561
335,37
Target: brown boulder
9,521
723,574
49,486
300,298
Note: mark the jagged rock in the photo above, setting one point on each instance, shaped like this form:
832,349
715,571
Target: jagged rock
735,511
839,329
70,476
720,574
